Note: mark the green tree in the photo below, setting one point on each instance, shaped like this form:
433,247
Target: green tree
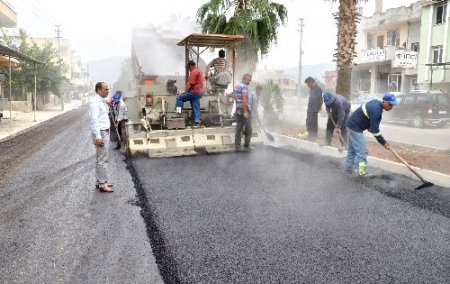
257,20
347,19
48,75
271,100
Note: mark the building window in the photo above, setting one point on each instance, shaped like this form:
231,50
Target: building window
413,83
369,40
394,82
415,46
380,41
440,13
437,54
393,37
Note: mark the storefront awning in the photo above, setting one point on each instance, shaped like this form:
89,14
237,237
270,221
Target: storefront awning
9,52
4,61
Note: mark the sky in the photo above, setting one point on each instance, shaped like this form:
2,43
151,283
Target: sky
99,29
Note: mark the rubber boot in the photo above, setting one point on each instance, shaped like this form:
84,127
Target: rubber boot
362,168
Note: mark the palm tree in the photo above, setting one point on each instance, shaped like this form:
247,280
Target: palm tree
347,19
257,20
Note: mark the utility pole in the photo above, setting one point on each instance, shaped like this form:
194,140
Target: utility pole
58,36
86,78
300,59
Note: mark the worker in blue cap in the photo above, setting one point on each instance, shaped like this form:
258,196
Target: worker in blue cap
338,109
366,117
120,116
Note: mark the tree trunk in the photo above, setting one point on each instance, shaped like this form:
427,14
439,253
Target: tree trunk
347,19
344,81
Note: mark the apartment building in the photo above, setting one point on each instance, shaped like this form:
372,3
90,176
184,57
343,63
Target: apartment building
434,58
388,49
8,17
287,84
64,49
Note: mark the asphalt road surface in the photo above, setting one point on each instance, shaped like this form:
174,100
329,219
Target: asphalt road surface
276,216
268,216
54,226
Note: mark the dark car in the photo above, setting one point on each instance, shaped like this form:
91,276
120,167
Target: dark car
420,108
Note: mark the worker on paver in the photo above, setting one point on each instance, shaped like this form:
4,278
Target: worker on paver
193,92
243,112
338,109
367,116
218,73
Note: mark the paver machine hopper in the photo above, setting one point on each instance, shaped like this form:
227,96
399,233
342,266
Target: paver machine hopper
156,130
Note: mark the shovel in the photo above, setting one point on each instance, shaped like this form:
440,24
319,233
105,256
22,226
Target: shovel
268,135
340,136
425,183
117,132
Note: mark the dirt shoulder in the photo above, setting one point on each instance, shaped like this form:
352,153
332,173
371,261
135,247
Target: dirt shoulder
418,156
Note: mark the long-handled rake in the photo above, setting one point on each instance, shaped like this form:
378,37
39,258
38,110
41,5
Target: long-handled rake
425,183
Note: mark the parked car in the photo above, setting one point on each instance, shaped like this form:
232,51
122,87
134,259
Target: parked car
364,99
420,108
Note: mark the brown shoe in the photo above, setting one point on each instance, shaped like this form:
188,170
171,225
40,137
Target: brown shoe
97,185
105,188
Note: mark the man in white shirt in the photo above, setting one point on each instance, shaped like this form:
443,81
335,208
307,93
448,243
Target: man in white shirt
99,124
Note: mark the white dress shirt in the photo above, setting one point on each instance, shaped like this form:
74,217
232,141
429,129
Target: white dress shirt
98,115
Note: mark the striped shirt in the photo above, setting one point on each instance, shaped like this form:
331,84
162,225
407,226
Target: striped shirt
219,64
241,92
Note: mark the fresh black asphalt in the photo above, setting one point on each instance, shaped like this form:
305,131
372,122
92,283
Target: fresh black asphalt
279,216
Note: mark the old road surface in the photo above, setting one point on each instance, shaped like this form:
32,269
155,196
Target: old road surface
54,226
268,216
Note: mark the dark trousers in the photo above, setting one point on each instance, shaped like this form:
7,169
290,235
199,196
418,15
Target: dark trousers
330,130
243,124
120,127
112,129
312,123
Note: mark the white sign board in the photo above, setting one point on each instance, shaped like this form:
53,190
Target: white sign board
373,55
405,59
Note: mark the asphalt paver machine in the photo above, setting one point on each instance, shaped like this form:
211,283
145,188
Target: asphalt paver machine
160,132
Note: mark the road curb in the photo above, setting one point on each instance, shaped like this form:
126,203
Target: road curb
393,167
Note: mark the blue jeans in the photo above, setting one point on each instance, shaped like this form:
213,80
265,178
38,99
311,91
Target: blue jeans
194,99
356,148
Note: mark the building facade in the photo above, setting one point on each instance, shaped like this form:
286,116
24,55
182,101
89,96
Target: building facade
434,67
388,51
8,17
287,84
